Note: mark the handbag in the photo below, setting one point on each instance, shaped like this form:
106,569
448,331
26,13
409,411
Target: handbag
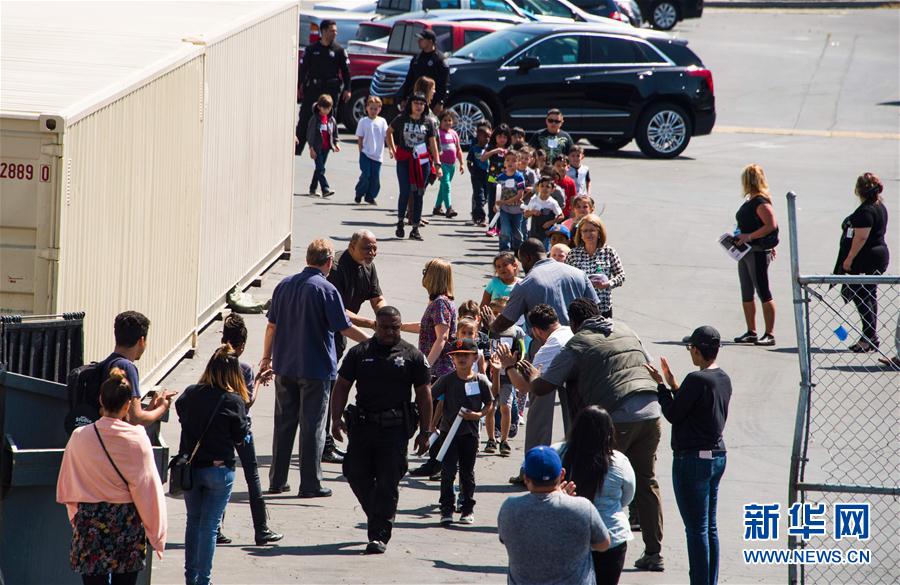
181,473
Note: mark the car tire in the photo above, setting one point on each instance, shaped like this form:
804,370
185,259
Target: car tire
664,131
608,143
355,109
471,111
664,15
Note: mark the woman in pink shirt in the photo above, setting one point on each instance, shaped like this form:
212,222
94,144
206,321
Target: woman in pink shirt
112,491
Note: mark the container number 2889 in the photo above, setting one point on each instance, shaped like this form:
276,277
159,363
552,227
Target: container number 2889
22,172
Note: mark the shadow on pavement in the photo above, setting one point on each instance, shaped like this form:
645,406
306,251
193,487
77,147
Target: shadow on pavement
469,568
327,549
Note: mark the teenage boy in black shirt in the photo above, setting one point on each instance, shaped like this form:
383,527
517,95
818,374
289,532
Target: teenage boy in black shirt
697,410
461,391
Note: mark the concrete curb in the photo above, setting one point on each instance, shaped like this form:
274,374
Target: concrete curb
793,4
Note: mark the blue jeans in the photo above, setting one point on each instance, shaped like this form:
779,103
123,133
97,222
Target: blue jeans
205,504
369,183
406,191
510,231
696,484
479,193
318,177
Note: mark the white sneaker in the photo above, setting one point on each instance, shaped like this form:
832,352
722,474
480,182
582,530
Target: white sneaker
467,518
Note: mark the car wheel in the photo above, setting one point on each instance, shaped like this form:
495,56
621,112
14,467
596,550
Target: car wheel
471,111
664,131
608,143
664,15
355,109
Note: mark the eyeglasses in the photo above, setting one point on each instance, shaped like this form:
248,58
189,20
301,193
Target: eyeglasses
424,270
554,121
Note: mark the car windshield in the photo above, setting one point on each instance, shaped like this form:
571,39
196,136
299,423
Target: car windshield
495,45
371,32
545,8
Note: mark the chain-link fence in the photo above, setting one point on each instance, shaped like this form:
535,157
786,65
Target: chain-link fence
847,435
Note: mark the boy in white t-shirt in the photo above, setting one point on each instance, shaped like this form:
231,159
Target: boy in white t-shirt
370,137
544,211
578,172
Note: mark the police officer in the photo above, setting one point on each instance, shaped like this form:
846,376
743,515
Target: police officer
325,68
432,63
383,420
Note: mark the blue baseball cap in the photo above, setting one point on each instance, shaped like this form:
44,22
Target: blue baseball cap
542,464
560,229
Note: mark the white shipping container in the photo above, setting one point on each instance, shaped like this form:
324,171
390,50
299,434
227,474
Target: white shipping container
146,160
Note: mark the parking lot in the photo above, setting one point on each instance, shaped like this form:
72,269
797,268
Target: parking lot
812,96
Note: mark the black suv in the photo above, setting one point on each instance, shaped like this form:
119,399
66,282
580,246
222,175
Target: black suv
612,85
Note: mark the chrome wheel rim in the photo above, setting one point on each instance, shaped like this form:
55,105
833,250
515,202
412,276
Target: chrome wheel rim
470,116
359,109
666,131
664,15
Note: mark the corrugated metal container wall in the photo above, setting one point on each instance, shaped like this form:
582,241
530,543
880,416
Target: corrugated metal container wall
251,81
130,215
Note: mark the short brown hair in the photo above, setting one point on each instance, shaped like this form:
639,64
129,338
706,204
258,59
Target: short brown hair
373,99
594,220
438,278
576,148
324,101
319,252
469,308
466,323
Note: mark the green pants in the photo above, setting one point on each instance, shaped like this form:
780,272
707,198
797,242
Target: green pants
443,196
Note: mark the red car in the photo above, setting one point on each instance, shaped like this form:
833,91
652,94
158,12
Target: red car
451,36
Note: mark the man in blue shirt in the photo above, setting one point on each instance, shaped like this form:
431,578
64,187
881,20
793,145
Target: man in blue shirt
299,349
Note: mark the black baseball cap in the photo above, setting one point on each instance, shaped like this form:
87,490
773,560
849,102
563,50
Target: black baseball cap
705,336
428,35
464,345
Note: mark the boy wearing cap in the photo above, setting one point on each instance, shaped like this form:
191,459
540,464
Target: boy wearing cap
469,393
697,409
548,533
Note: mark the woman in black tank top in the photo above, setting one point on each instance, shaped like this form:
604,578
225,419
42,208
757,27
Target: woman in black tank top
863,251
756,225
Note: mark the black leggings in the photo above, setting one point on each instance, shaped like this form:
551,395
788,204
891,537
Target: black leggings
865,297
117,579
608,564
753,273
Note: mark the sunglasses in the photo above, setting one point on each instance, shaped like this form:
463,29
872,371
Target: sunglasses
554,121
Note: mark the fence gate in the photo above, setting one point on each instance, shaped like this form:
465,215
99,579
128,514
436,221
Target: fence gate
847,432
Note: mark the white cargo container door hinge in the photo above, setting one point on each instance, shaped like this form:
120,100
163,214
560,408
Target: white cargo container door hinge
68,182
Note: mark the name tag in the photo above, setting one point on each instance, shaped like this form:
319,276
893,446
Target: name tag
451,146
849,232
509,183
472,388
420,149
552,143
507,341
323,127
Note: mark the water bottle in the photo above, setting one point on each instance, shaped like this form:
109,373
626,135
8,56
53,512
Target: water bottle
841,333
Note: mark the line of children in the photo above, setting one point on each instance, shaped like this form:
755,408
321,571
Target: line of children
451,154
560,174
506,276
579,172
544,211
494,155
478,172
503,390
511,186
322,138
371,134
582,205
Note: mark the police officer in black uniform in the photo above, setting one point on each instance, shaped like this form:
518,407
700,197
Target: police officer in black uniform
432,63
383,420
325,68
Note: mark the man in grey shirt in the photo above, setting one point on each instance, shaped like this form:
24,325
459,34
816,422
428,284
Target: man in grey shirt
549,534
603,365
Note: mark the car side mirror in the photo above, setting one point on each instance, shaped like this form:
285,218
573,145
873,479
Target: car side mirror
529,63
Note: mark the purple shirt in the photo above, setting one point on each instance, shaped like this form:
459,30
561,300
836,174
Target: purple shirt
440,311
307,311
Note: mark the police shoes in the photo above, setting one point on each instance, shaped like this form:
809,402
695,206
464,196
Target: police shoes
266,536
332,456
279,490
319,493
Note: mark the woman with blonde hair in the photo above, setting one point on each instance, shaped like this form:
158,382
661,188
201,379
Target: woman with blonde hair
213,421
438,323
597,260
111,488
756,226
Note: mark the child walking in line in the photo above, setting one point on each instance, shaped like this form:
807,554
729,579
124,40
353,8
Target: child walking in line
544,211
582,206
506,276
468,394
559,252
451,155
494,155
370,137
478,172
565,183
322,138
539,161
511,184
467,328
502,388
578,172
518,138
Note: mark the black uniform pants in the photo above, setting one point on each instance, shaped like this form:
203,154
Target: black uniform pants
462,452
374,465
311,94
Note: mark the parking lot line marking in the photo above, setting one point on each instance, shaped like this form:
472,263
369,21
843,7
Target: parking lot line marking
800,132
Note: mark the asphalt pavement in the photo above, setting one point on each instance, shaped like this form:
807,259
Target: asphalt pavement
812,97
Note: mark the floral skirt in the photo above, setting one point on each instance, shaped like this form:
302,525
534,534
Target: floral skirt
107,538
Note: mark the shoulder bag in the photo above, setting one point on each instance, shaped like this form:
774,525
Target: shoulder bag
181,476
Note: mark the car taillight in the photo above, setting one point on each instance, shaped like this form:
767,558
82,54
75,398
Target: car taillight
705,74
619,16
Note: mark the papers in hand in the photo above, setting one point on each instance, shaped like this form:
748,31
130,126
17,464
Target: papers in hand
450,435
731,246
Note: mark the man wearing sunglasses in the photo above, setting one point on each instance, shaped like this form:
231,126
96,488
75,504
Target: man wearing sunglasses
553,140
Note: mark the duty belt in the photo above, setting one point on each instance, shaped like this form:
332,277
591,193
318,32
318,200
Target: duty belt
390,417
